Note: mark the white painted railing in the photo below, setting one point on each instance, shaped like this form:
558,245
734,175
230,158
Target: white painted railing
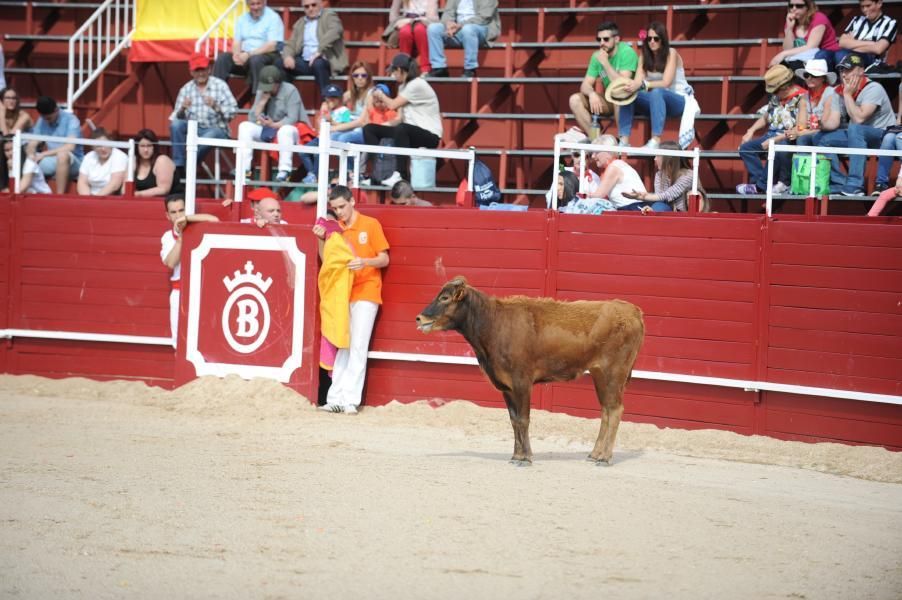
97,43
218,38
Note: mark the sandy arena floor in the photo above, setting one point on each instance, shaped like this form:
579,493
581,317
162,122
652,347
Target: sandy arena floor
230,489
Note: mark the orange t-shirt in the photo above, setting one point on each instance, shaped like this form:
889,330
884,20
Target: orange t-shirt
367,239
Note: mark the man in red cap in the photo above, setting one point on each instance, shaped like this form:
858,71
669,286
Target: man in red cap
205,99
266,206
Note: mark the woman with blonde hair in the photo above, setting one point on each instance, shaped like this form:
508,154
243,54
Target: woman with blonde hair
356,99
807,34
407,23
673,182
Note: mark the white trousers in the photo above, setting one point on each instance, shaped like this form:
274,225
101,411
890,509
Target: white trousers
287,135
174,314
349,371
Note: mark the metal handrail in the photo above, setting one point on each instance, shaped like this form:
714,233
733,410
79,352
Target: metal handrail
223,40
96,41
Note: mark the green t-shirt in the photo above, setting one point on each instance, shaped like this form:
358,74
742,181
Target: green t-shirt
625,59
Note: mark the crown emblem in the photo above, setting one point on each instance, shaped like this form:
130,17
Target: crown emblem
248,277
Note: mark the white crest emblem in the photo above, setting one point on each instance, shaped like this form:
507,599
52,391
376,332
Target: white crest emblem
362,237
248,296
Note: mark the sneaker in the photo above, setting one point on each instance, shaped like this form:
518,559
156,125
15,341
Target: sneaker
746,189
332,408
309,179
365,181
780,188
469,73
624,142
853,193
652,144
443,72
282,176
395,178
350,409
879,188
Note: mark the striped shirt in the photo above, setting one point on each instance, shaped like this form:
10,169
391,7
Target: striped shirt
884,28
205,116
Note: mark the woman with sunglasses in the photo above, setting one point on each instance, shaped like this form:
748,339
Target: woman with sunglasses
360,86
407,23
12,118
661,81
807,34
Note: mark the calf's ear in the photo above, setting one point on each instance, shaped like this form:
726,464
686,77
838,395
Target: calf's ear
460,292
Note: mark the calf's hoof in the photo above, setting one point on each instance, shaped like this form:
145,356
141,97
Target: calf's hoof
601,462
521,462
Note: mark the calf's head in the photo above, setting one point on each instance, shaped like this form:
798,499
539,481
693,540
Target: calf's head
443,312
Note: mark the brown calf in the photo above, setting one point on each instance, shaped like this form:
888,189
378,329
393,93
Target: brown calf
520,341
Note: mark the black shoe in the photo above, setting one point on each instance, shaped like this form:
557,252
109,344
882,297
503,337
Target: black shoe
469,73
443,72
879,188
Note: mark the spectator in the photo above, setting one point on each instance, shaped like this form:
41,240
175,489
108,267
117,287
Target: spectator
571,163
673,182
59,160
567,188
421,121
12,117
617,176
885,196
661,82
867,109
153,171
378,112
407,23
356,98
258,33
365,237
892,140
780,116
871,34
467,24
819,80
171,251
336,113
277,107
316,46
102,172
268,211
614,59
32,179
205,99
402,193
807,34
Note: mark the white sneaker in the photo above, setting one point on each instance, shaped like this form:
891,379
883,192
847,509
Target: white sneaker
780,188
350,409
332,408
652,144
392,180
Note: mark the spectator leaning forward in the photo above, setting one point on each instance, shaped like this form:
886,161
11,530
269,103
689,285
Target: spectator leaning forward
60,160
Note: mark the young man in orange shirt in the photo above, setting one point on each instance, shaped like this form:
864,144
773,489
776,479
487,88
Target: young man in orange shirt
365,237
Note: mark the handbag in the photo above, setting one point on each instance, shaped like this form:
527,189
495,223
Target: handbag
384,164
801,175
422,172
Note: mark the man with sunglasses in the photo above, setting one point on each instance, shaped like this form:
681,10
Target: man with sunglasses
613,59
258,33
316,46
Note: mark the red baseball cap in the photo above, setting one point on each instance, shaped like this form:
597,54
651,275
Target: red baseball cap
198,61
258,194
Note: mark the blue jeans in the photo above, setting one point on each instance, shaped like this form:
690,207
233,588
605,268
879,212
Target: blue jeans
752,154
829,56
321,70
860,136
659,104
352,136
891,141
656,206
178,132
838,138
469,37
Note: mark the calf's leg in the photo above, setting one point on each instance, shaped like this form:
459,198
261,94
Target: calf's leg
517,401
609,389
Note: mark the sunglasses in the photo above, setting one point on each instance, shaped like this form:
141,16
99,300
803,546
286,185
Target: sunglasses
604,39
360,76
794,5
810,76
313,5
653,38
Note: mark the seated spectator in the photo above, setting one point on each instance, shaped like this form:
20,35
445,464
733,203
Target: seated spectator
12,117
617,176
865,106
807,34
871,34
892,140
316,46
885,196
153,171
277,107
258,32
467,24
417,103
571,164
614,59
402,193
661,82
337,114
780,116
819,80
356,98
205,99
407,23
59,160
102,172
32,179
567,188
673,182
378,111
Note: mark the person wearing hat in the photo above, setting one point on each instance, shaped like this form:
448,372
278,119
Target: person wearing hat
258,32
467,24
337,114
277,108
316,46
205,99
820,81
780,116
421,119
60,160
871,34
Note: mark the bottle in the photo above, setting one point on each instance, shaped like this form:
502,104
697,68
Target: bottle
595,131
814,122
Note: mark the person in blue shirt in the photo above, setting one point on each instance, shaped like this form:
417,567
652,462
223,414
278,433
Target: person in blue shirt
57,159
259,33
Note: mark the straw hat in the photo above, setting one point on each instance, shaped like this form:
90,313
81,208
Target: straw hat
616,93
776,77
818,68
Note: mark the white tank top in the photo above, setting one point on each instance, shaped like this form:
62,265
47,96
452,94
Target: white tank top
629,181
